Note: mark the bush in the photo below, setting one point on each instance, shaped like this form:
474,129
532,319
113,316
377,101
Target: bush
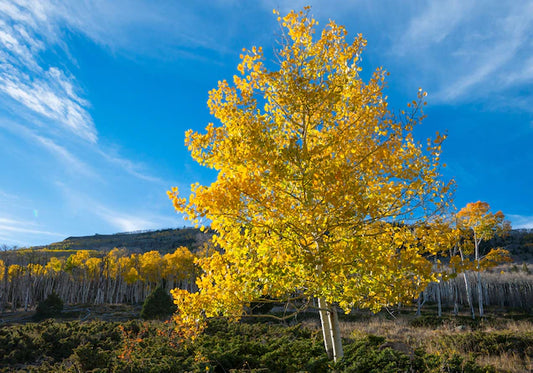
158,305
137,346
52,306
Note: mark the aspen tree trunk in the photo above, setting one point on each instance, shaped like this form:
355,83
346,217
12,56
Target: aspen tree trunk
480,294
455,290
454,286
469,296
326,327
467,288
437,293
4,298
338,352
479,282
439,301
419,304
330,330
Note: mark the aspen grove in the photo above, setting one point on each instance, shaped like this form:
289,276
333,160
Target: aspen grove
323,197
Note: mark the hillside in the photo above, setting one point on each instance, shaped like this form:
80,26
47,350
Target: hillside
164,241
519,242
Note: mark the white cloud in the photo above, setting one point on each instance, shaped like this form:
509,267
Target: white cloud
467,50
4,196
111,215
130,167
26,31
10,229
29,28
435,23
135,26
520,221
125,222
60,152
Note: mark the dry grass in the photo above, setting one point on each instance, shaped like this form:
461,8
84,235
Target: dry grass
430,338
507,362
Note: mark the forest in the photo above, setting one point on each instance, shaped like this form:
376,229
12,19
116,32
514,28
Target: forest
122,275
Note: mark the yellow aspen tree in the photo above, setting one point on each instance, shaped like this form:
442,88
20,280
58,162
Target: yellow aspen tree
54,265
319,186
15,273
179,266
54,272
112,273
151,268
478,225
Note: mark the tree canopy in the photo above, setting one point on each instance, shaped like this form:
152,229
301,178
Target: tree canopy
322,191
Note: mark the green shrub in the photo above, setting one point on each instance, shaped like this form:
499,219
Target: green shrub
52,306
90,357
136,346
158,305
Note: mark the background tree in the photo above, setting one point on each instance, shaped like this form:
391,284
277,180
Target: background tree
319,186
478,225
52,306
158,305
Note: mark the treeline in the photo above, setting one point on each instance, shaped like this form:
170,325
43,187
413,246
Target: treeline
165,241
93,277
501,290
27,276
97,278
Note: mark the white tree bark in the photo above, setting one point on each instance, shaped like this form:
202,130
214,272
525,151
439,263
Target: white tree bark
439,301
330,330
467,288
335,330
326,327
479,281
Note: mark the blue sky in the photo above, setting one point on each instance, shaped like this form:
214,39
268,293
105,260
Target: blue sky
95,97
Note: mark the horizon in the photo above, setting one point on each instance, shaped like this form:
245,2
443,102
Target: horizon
96,98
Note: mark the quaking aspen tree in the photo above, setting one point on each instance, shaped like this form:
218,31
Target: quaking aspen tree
320,187
478,224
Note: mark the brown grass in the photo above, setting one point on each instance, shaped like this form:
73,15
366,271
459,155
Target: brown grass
427,338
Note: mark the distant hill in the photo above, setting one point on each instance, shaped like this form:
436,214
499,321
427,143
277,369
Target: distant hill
164,241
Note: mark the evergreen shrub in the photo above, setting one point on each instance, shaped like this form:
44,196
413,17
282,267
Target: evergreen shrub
52,306
158,305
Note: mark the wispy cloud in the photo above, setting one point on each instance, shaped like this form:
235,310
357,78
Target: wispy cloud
521,221
10,229
134,169
435,23
4,196
467,51
52,101
125,222
10,225
26,31
60,152
113,216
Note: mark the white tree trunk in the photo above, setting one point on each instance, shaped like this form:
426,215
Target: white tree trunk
469,296
439,301
467,288
480,294
330,330
338,352
479,282
326,327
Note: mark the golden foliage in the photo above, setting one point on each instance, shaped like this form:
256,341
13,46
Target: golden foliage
476,223
320,186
